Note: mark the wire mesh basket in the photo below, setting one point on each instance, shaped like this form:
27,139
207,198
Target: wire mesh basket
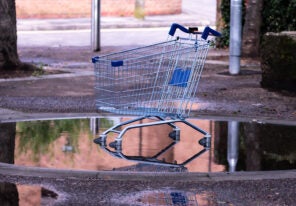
156,82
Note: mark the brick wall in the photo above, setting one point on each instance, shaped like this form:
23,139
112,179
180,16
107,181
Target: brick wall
53,8
162,7
117,7
82,8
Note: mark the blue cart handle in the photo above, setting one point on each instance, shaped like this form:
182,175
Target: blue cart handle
175,26
204,35
207,31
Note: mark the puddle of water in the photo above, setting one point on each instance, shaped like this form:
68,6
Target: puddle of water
25,195
235,146
167,197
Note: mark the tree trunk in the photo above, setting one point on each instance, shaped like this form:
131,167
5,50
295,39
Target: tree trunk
8,191
253,149
220,24
8,194
251,30
7,142
8,39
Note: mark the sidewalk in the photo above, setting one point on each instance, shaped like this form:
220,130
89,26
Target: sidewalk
109,22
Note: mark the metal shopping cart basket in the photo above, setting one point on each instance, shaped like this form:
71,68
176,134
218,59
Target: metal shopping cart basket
157,81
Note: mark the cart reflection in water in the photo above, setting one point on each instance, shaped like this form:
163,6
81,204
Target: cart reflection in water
163,144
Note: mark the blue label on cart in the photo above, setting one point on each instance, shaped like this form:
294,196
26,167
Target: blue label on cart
178,198
117,63
95,59
180,77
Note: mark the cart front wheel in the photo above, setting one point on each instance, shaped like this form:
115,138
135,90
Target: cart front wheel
98,140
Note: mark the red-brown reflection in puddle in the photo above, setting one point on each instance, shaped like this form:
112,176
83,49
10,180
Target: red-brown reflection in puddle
29,195
85,155
35,195
148,141
189,146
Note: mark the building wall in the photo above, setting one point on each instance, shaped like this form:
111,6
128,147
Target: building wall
82,8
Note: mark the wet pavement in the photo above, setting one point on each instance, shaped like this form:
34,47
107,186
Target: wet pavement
126,188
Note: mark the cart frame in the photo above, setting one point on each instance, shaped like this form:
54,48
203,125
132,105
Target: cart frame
156,82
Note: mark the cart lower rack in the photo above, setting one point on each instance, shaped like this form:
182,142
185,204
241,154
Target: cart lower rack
158,80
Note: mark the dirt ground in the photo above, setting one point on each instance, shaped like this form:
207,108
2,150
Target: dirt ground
219,94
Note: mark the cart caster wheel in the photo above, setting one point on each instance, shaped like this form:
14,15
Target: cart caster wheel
173,135
98,140
203,142
113,144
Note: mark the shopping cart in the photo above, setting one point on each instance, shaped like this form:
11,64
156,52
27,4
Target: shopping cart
157,82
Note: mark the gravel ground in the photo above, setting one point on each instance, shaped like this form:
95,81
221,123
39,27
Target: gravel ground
128,188
104,192
219,94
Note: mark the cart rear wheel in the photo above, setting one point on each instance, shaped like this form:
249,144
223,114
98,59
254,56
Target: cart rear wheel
203,142
113,144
